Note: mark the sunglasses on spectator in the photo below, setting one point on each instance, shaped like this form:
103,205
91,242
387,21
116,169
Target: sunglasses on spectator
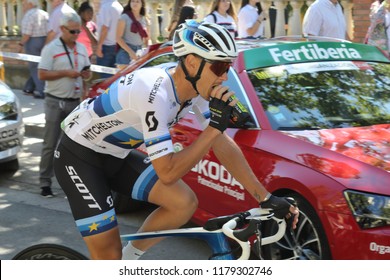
73,31
218,67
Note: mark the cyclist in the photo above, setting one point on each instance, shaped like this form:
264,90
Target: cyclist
98,153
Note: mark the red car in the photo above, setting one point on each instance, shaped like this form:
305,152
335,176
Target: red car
319,131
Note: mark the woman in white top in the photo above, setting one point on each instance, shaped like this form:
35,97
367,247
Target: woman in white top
131,32
250,22
223,13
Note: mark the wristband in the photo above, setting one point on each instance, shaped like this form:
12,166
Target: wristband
267,197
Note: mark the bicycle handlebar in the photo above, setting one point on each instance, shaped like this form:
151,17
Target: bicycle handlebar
258,214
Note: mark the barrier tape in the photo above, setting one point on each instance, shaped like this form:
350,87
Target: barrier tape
35,58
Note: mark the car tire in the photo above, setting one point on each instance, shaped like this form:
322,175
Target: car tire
307,242
12,165
125,204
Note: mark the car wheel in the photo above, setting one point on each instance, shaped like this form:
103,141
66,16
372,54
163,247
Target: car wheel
12,165
307,242
125,204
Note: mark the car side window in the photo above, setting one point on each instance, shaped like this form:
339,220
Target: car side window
168,57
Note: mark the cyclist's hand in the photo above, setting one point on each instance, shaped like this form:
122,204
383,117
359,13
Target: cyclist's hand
283,207
220,109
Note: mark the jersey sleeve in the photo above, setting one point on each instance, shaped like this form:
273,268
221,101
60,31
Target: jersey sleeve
202,112
153,109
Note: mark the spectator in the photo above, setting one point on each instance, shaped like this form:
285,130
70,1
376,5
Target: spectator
187,12
87,36
251,19
34,31
59,9
61,66
325,18
107,21
132,32
378,33
176,13
222,13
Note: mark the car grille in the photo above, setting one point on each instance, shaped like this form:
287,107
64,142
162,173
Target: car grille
6,145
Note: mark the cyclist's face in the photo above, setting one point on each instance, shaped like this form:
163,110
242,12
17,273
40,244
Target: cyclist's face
214,73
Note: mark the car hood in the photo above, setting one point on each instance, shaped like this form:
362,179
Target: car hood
370,144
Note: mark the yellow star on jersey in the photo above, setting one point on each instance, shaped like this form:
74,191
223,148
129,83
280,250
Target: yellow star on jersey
112,218
106,91
154,141
132,142
93,227
105,217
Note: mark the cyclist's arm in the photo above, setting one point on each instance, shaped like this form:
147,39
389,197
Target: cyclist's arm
230,155
172,167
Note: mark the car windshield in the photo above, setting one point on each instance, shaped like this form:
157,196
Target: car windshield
321,95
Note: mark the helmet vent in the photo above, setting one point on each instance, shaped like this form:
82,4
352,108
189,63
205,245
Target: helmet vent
203,42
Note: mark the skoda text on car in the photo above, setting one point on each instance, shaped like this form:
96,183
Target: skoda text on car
319,131
11,128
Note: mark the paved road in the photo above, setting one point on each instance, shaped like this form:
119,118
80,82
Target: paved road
26,218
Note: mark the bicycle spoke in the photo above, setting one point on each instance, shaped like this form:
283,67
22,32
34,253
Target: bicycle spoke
301,226
310,254
284,246
307,242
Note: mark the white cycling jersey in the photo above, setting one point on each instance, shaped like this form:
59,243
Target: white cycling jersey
137,108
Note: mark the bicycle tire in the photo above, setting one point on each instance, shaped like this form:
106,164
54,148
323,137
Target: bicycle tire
49,252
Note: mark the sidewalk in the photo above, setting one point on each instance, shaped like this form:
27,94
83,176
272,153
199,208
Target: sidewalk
33,114
27,177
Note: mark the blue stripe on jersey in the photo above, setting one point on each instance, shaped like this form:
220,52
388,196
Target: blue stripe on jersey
102,105
123,140
154,141
144,184
207,114
97,224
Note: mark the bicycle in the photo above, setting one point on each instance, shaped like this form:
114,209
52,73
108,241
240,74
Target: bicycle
217,232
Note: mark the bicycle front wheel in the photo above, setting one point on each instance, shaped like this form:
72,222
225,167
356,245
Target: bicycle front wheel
49,252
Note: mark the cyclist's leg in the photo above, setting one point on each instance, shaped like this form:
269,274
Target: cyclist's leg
177,202
105,246
82,176
177,205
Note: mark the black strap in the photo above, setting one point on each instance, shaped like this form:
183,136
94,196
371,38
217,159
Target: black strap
193,80
67,52
214,16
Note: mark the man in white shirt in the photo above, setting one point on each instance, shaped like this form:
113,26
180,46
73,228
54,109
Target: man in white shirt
34,31
59,9
107,20
325,18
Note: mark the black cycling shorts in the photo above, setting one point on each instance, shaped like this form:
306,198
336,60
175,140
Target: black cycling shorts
87,178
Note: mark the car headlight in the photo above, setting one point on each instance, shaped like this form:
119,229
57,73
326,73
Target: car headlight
8,108
369,210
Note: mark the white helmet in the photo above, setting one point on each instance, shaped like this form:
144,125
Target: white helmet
208,40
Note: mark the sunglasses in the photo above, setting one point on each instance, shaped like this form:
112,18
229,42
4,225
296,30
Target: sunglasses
73,31
218,67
